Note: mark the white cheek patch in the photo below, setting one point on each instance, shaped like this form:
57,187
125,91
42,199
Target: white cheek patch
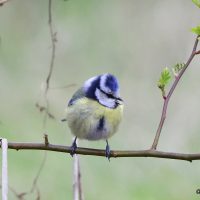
103,83
105,88
104,100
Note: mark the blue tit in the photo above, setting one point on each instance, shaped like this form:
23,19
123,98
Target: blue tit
95,110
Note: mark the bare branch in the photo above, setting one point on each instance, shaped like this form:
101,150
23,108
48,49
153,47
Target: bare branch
46,140
197,52
53,43
2,2
19,196
167,98
98,152
38,173
45,108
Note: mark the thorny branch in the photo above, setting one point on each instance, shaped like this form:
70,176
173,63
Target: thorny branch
167,98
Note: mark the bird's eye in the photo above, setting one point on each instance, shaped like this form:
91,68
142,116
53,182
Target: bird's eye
110,95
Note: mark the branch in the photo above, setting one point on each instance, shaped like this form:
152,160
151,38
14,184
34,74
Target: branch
51,66
98,152
53,42
46,107
2,2
167,98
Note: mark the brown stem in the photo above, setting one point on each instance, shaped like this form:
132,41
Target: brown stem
166,100
197,52
99,152
2,2
53,42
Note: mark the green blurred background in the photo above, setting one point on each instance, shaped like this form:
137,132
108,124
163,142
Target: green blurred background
132,39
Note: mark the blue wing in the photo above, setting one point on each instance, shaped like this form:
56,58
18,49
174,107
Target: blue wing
77,95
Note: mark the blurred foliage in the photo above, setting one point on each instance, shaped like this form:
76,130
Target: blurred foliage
196,2
95,37
177,68
196,30
164,79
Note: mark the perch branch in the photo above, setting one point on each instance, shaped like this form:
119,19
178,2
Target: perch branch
98,152
167,98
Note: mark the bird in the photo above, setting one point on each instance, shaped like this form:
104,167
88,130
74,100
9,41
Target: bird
95,110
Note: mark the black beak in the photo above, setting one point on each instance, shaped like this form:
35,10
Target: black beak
119,99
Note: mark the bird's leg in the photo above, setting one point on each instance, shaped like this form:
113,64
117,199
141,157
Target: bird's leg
107,150
73,147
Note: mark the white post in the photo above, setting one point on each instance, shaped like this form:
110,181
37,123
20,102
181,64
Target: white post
4,146
77,187
75,178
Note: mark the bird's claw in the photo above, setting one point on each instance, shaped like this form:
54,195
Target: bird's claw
73,148
107,151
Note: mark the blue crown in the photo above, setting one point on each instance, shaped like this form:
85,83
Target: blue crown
105,82
111,83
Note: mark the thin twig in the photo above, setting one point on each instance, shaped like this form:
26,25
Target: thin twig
19,196
46,140
2,2
197,52
45,108
99,152
34,185
38,194
53,43
167,98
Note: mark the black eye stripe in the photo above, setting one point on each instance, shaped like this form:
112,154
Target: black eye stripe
108,95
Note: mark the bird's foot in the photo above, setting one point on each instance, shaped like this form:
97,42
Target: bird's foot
107,150
73,147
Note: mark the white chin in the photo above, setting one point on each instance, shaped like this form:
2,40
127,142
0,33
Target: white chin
104,100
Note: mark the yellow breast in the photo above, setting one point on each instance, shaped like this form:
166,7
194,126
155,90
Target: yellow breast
90,120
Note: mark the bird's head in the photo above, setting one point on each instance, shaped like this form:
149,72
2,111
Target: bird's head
104,89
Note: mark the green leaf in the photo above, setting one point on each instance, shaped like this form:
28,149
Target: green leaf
196,2
164,79
196,30
177,68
